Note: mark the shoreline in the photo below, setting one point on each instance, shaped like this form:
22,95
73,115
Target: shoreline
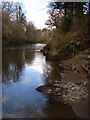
73,87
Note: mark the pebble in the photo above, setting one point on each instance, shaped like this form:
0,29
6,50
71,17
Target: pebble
73,88
57,89
73,67
56,85
70,92
85,84
59,94
88,58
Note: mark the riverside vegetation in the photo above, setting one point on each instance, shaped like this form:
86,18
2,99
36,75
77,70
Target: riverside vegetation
15,28
70,44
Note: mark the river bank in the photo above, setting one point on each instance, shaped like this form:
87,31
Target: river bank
72,89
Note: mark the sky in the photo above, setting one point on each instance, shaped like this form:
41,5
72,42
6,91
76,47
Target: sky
36,11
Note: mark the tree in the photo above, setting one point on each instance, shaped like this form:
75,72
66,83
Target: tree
31,34
19,12
14,10
7,7
55,14
89,7
13,30
59,10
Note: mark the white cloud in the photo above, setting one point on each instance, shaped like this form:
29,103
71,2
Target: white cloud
26,80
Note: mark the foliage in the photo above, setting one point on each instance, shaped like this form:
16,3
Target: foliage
15,28
54,52
65,25
67,22
30,33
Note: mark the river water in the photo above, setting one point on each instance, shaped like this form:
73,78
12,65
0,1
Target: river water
24,68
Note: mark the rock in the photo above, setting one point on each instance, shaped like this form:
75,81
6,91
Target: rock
88,58
80,94
56,81
69,68
49,91
57,89
85,83
64,87
61,66
62,75
59,94
83,97
78,88
73,67
78,71
72,100
56,85
66,92
64,96
73,88
74,97
44,89
79,83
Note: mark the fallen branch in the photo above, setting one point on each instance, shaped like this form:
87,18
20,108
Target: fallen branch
85,69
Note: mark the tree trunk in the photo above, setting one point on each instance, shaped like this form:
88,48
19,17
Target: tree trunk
16,13
89,7
74,11
78,10
65,12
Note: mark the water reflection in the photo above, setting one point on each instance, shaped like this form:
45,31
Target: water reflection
13,64
24,69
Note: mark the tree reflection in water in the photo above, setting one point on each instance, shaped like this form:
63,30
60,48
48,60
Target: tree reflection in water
24,69
13,64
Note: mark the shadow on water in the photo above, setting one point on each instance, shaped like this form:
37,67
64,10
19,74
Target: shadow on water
24,68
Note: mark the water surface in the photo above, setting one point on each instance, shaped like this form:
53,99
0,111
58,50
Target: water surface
24,69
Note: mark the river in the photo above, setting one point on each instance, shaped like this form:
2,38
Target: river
24,68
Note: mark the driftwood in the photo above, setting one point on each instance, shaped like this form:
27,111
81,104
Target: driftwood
85,69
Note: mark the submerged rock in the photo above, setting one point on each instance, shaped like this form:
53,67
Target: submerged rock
44,89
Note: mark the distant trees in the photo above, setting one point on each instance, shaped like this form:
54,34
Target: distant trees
43,35
31,33
14,10
15,28
12,29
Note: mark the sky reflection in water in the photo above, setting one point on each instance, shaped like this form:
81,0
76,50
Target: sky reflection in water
20,94
24,69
